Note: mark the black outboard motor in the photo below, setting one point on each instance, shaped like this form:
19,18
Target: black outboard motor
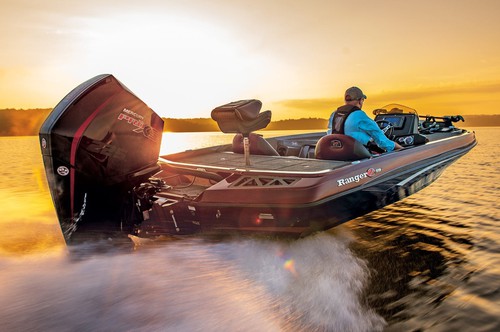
98,143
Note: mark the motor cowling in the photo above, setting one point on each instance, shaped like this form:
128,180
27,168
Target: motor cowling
100,138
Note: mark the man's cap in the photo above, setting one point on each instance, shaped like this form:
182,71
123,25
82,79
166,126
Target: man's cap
354,93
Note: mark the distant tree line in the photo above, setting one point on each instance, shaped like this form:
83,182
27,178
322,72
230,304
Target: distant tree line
481,121
197,125
192,125
189,125
20,122
27,122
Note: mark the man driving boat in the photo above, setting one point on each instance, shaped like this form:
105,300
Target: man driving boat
351,120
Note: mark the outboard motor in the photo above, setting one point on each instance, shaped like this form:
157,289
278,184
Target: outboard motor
98,143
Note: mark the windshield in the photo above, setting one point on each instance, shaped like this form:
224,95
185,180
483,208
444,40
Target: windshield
394,108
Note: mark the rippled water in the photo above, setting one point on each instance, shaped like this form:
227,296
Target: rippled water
428,263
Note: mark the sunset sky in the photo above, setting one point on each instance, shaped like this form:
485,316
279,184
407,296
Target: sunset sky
183,58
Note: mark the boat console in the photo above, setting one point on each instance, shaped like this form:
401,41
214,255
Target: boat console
400,125
403,124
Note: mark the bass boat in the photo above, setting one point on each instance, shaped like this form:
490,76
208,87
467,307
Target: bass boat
100,147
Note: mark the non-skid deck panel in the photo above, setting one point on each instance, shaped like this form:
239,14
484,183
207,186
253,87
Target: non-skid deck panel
257,162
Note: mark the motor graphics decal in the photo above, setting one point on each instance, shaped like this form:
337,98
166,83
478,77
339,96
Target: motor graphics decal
137,121
358,177
132,118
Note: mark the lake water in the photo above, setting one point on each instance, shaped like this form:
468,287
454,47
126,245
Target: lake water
428,263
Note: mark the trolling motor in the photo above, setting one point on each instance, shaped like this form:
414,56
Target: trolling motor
435,123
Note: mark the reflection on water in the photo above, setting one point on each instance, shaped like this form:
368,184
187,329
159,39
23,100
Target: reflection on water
28,222
420,260
177,142
434,256
430,262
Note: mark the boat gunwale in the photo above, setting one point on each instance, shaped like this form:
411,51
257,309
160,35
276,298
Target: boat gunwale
330,165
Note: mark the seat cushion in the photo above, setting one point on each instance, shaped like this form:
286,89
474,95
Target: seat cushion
241,116
258,145
340,147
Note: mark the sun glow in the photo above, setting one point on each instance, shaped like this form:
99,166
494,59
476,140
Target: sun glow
185,57
177,65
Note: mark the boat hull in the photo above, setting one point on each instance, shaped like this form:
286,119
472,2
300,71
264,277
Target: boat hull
313,202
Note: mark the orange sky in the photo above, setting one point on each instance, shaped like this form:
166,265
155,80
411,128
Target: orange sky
185,57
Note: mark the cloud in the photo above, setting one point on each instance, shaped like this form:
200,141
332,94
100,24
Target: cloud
309,104
466,98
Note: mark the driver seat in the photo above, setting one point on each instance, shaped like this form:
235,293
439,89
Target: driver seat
340,147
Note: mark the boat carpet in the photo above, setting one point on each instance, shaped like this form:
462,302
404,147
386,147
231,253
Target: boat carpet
229,160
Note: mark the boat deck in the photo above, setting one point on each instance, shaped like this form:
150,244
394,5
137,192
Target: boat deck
234,161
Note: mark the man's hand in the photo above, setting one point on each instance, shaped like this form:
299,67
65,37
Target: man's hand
397,146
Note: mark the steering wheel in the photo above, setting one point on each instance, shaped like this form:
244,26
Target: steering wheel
386,127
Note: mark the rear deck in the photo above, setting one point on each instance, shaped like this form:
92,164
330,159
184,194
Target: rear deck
227,161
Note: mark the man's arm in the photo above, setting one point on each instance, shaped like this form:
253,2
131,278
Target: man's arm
371,128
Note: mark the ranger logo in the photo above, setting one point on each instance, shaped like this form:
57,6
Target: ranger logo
358,177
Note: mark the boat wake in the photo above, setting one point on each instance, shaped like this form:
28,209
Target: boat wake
194,284
318,280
